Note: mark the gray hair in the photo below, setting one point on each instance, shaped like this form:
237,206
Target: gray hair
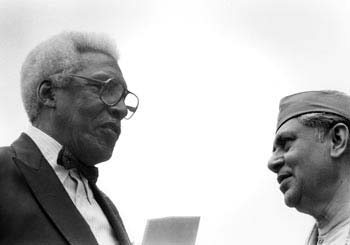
59,54
323,122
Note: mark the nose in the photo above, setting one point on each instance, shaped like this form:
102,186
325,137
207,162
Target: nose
119,110
275,163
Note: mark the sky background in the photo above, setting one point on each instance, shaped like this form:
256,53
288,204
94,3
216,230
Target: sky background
209,75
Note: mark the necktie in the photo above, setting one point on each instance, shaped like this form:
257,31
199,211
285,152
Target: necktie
69,161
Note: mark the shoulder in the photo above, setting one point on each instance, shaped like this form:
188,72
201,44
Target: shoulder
6,154
6,160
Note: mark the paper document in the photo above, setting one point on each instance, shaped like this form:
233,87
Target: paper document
171,231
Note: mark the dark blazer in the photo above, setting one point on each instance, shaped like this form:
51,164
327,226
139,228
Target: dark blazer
35,209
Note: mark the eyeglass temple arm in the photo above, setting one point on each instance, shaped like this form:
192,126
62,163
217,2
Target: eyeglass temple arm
87,78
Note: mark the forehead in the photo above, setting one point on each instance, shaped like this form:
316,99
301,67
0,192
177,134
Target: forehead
294,128
292,124
100,65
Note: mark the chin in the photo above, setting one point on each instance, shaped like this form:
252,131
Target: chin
93,154
99,155
97,149
291,199
105,156
288,203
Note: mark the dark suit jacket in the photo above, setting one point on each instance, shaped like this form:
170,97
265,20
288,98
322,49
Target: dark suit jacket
35,209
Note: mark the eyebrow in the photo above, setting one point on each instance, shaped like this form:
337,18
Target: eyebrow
282,137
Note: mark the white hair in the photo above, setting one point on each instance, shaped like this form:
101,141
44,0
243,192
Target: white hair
60,53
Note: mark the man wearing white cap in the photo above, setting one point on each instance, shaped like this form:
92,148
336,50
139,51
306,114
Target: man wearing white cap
311,157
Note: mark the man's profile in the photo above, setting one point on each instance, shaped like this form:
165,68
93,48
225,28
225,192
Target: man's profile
76,97
311,157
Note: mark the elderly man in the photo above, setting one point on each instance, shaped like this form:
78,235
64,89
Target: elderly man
75,96
311,157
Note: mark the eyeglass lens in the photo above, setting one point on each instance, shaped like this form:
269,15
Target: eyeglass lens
113,92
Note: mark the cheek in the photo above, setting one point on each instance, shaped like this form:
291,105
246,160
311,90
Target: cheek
322,176
314,172
296,161
86,114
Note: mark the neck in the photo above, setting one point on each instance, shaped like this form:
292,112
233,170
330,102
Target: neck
336,210
45,124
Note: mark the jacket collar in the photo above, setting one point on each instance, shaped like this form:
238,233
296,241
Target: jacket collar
112,215
26,151
55,201
50,193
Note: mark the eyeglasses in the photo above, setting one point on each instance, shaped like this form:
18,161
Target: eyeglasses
112,92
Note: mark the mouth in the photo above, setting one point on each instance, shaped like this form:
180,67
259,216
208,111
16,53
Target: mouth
111,126
282,177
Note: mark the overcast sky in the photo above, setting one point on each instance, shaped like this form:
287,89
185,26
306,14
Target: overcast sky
209,75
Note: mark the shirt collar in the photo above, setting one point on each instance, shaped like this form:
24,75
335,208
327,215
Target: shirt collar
50,148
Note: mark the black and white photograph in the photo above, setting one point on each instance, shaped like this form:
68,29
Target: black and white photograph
162,122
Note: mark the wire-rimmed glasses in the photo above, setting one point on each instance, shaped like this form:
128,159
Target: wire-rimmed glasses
112,92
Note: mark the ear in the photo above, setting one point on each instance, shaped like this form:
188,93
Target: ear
46,94
339,134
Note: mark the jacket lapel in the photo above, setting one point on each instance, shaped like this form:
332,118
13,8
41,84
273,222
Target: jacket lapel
50,193
112,215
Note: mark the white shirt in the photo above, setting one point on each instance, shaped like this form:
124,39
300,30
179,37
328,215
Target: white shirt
76,186
339,235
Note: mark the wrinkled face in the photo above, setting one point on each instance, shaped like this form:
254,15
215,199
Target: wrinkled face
303,166
85,124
